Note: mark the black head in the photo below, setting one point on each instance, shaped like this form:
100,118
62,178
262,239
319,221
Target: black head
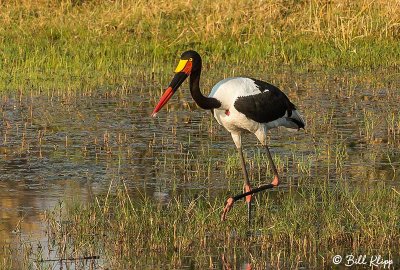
194,58
189,63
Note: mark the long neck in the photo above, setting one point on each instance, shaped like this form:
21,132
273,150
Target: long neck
205,103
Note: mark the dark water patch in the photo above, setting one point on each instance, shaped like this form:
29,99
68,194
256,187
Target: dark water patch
60,147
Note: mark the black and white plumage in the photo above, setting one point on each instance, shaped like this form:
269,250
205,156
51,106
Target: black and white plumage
250,105
241,105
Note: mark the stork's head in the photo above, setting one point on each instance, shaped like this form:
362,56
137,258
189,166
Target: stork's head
190,62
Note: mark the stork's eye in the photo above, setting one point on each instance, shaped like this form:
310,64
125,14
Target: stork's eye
190,59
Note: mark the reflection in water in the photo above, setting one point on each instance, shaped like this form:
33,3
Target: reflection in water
22,204
56,148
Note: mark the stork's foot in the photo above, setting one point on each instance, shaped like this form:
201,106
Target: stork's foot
227,208
275,182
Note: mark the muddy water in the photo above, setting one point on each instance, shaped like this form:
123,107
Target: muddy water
58,147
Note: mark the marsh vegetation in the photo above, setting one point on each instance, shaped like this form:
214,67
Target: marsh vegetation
87,175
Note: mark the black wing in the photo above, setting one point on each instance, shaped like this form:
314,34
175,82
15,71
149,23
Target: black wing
269,105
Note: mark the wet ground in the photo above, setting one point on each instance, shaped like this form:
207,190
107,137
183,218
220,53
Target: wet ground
56,147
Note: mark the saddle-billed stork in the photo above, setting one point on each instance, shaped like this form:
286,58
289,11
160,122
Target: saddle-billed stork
241,105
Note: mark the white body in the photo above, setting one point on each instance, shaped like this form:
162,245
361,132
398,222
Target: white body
227,91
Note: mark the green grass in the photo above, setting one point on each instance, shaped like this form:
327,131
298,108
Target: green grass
292,227
119,47
93,44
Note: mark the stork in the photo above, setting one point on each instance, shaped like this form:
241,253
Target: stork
240,105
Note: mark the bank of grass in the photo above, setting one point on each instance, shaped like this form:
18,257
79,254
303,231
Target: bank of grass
91,45
85,44
304,227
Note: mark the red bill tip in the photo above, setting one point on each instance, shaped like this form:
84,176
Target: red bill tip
163,100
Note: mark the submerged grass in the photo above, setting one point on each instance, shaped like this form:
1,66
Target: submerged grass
88,44
294,227
131,46
327,207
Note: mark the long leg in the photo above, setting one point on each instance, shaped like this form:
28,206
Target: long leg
274,183
246,186
237,139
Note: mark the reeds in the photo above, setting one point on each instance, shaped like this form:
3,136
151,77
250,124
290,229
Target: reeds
306,225
86,43
340,176
336,176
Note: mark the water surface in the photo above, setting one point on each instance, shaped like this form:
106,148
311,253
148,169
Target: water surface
59,147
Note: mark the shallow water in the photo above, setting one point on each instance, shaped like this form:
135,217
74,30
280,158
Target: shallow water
72,147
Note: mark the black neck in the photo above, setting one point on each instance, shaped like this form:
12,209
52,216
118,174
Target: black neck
205,103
